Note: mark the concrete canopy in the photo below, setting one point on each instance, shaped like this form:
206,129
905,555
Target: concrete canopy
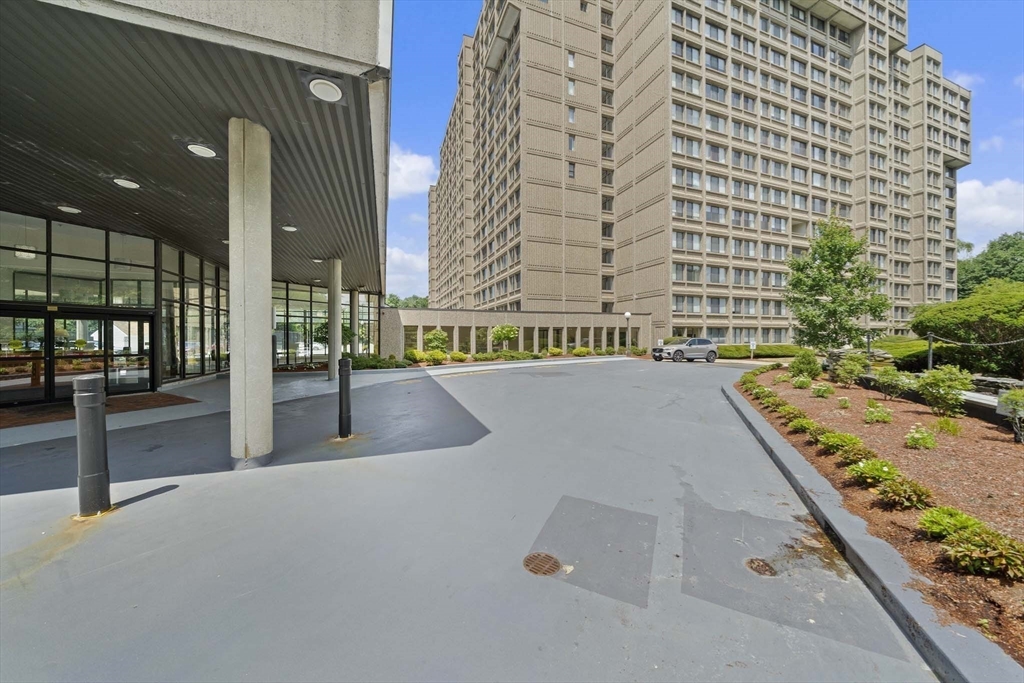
87,98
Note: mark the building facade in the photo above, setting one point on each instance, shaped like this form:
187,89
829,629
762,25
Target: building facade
668,156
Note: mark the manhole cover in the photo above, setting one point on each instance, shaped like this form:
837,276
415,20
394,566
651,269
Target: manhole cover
541,564
759,566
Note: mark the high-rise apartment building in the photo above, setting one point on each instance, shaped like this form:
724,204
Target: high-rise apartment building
668,156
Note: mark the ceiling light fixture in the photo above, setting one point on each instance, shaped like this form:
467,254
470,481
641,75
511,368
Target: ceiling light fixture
127,184
325,90
224,241
27,255
316,279
289,228
69,209
318,260
201,151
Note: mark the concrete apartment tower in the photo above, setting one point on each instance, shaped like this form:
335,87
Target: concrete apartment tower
667,157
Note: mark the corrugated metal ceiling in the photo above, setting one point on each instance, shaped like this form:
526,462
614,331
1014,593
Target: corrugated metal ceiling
85,99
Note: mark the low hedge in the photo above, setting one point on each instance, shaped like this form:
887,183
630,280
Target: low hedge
728,351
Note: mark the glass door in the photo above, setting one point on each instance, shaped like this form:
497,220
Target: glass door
79,348
22,357
130,355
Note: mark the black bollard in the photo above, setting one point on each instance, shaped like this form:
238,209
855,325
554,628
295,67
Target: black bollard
91,423
344,398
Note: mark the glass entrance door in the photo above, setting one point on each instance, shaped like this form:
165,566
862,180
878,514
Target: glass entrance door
79,348
22,357
130,357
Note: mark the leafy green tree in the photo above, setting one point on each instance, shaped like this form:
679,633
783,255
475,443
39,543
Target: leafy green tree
320,334
832,287
393,301
414,301
993,314
1002,259
435,340
503,334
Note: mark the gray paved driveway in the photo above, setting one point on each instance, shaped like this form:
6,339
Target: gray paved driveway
398,556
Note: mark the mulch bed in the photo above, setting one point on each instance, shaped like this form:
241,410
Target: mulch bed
20,416
980,472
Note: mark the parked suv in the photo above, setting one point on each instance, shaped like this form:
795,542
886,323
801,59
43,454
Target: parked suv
689,351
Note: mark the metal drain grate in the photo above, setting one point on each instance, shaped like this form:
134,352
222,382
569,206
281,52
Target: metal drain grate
759,566
541,564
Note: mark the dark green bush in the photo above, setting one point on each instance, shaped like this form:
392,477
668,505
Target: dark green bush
942,521
838,441
485,356
940,388
436,357
893,383
802,425
851,455
815,433
733,351
981,550
806,364
774,403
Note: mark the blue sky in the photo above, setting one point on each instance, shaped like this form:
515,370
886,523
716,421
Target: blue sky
982,47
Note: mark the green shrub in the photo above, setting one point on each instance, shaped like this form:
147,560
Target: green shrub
391,356
815,433
435,357
872,403
783,377
507,354
877,414
893,383
851,455
503,334
402,363
621,351
774,403
554,351
435,340
843,402
598,352
802,425
904,493
536,356
415,356
485,356
458,356
872,472
734,351
822,390
761,392
981,550
940,388
943,521
948,425
1013,403
581,351
920,437
801,382
837,441
805,364
790,413
847,371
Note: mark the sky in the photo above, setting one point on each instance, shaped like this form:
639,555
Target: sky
982,47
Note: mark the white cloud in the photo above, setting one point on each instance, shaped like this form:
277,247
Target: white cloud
986,211
416,219
965,79
1019,81
994,143
410,173
407,272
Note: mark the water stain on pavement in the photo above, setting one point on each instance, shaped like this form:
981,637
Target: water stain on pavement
17,568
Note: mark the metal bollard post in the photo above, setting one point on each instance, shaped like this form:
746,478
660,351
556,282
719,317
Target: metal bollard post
344,398
91,422
930,350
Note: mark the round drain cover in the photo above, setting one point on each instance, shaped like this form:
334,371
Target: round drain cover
541,564
759,566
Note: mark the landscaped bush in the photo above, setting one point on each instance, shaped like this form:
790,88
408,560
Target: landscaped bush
893,383
815,433
981,550
943,521
621,351
536,356
877,414
415,356
790,413
638,350
761,392
801,382
773,403
847,371
435,340
802,425
920,437
837,441
554,351
1013,403
458,356
581,351
843,402
822,390
904,493
806,364
940,388
435,357
598,352
783,377
484,356
948,425
851,455
507,354
872,472
733,351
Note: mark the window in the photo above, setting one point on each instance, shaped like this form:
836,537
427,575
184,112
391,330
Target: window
716,123
572,170
817,49
717,305
799,41
572,114
572,60
571,88
606,70
716,153
606,44
607,203
572,143
717,275
715,92
715,62
606,97
607,150
717,245
607,123
715,214
715,32
607,229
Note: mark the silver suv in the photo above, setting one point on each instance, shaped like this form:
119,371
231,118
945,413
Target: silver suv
689,351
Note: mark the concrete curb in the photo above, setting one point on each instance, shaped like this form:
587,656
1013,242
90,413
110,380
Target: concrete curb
955,653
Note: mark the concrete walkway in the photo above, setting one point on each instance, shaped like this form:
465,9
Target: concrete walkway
398,555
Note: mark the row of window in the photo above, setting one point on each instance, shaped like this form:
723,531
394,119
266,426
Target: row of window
715,244
719,275
740,335
720,305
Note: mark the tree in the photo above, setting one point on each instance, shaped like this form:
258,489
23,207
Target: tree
435,340
412,301
831,287
503,334
320,334
393,301
1002,259
993,314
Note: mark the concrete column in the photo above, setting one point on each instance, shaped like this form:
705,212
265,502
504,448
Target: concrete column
252,381
335,299
455,338
419,337
353,319
519,340
536,339
472,340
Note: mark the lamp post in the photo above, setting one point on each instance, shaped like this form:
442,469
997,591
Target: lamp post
629,337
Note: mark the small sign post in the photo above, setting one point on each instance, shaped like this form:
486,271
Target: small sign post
661,342
753,345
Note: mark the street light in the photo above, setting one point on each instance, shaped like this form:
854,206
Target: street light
629,337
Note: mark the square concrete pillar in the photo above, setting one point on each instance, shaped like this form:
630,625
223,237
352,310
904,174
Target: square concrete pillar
335,323
472,340
536,339
519,340
353,317
455,338
252,381
419,337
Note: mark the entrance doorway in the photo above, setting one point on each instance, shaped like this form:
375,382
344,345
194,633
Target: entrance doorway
41,353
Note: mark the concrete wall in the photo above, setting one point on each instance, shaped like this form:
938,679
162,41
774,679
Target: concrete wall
393,322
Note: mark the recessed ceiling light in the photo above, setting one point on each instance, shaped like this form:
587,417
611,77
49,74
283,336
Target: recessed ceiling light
289,228
201,151
325,90
27,255
69,209
318,260
224,241
128,184
316,279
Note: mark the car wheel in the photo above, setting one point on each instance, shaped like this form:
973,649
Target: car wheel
711,356
690,360
677,356
657,359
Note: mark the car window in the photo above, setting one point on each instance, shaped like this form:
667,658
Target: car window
705,342
692,342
